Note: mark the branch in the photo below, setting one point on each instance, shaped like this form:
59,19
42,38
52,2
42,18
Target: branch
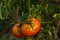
16,14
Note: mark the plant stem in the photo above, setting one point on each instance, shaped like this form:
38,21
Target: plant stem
28,5
46,22
16,14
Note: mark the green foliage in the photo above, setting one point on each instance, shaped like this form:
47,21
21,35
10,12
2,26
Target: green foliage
42,10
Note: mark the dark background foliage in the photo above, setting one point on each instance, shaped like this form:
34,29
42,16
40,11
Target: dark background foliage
47,11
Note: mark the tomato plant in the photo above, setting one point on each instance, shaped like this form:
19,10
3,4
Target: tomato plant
16,31
32,28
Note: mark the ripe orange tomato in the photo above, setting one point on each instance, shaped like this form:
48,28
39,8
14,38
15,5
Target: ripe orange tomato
30,30
16,31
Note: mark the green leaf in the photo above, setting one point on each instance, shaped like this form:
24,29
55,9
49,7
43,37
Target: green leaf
1,14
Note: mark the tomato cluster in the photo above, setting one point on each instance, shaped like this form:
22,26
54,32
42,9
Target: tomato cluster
26,29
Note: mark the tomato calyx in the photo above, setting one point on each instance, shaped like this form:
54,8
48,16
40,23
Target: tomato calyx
20,25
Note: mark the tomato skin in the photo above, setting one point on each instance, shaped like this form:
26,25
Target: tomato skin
16,31
27,30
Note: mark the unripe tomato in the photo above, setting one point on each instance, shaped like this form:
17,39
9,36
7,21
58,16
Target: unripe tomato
31,29
16,31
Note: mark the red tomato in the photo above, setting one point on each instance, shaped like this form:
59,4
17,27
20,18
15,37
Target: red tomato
16,31
30,30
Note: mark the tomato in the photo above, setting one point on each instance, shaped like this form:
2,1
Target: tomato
16,31
31,29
